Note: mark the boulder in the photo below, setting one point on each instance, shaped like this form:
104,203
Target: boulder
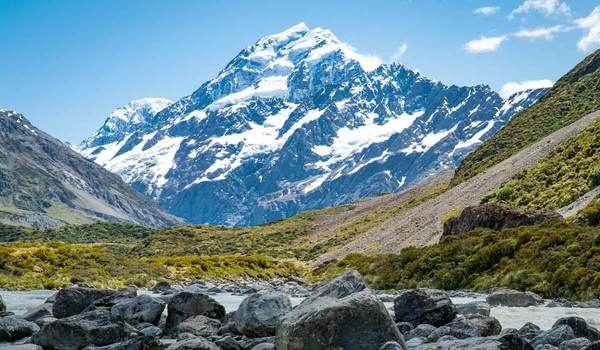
41,311
161,287
574,344
424,306
75,332
580,327
198,343
358,321
73,300
264,346
511,297
474,308
529,331
109,301
139,343
392,345
342,286
498,342
421,331
261,313
495,217
199,326
142,308
554,336
468,327
186,304
14,328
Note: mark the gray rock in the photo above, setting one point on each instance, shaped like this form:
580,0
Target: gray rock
40,311
264,346
574,344
580,327
554,336
529,331
142,308
186,304
420,331
228,343
468,327
414,342
45,320
593,346
341,286
510,297
13,328
404,327
498,342
109,301
546,347
73,300
151,331
198,343
509,331
474,308
139,343
446,338
20,347
261,313
161,287
358,321
75,332
392,345
424,306
495,217
199,325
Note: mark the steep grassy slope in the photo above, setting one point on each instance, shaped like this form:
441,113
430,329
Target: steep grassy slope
556,260
574,95
44,183
570,171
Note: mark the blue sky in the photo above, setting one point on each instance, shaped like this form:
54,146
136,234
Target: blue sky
67,64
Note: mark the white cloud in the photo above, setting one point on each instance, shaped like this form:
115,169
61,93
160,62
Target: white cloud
511,88
399,53
485,44
546,7
591,24
486,10
544,33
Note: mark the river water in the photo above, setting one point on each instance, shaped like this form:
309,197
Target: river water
509,317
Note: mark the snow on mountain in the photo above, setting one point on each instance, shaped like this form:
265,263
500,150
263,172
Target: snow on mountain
299,120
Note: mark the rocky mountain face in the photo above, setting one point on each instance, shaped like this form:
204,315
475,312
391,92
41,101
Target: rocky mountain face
44,183
299,120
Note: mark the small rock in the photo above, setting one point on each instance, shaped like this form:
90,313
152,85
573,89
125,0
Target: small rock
474,308
424,306
261,313
186,304
228,343
392,345
514,298
420,331
529,331
199,325
404,327
13,328
40,311
139,343
468,327
142,308
574,344
161,287
198,343
580,327
264,346
73,300
554,336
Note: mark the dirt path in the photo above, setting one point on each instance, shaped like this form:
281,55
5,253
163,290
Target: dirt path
422,225
583,201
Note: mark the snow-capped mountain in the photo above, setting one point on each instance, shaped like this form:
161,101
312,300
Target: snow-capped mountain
299,120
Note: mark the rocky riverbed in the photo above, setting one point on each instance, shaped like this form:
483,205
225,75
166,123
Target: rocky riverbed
341,314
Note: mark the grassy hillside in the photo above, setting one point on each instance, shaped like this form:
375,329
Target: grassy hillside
573,96
101,232
568,172
555,260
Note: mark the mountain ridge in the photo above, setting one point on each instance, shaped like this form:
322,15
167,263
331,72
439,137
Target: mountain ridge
297,121
44,183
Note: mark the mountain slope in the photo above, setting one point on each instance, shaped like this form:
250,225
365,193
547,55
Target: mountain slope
574,95
44,183
298,121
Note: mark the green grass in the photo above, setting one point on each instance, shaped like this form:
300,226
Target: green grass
569,171
590,214
572,97
54,265
555,260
